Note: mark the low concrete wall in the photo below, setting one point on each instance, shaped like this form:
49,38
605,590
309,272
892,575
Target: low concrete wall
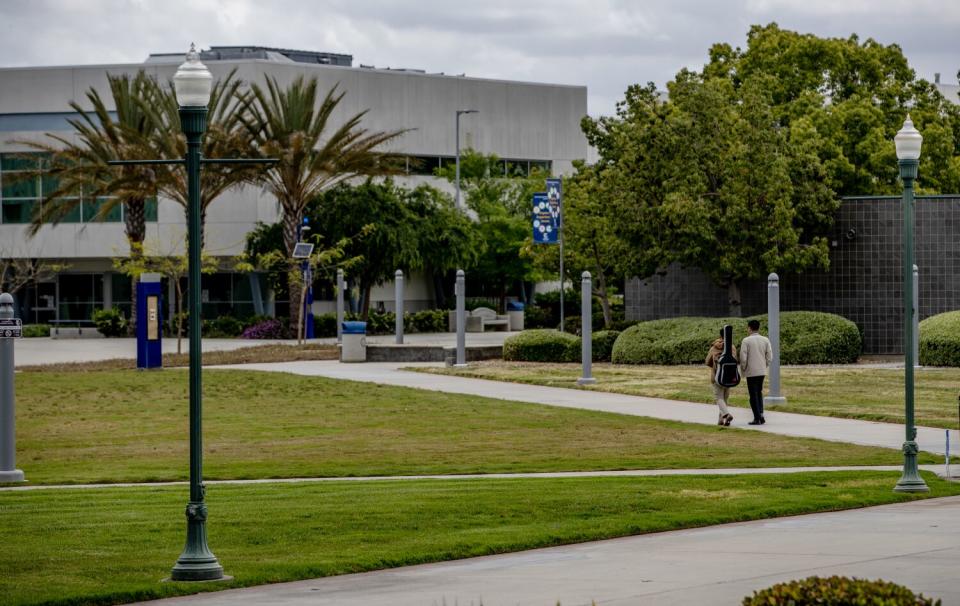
430,353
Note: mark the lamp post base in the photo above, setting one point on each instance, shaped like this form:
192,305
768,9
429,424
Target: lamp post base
910,481
586,381
774,401
197,562
13,475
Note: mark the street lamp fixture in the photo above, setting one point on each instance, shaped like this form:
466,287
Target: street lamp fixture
192,85
908,142
457,129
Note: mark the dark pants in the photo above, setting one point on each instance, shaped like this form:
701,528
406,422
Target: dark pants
755,388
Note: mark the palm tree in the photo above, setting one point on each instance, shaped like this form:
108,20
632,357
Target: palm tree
79,167
314,153
226,137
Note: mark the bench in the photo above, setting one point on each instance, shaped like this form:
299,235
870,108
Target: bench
480,318
74,329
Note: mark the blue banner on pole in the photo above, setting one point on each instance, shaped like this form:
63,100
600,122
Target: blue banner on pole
555,199
545,221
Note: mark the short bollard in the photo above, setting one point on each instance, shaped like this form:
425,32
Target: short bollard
398,305
459,289
773,333
9,330
586,329
340,289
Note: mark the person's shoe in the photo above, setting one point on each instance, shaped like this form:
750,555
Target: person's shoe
755,422
720,421
763,421
727,419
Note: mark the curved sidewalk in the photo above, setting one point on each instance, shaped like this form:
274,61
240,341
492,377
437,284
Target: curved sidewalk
852,431
909,543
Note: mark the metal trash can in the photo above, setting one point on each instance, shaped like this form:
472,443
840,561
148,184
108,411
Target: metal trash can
354,346
515,313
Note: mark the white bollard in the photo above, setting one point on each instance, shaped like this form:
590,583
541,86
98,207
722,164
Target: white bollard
586,329
398,305
460,290
340,289
773,323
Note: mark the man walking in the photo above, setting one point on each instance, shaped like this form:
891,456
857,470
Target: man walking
755,356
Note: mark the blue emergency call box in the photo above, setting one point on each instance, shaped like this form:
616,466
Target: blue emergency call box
149,322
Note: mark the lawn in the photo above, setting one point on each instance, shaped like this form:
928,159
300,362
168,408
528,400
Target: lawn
132,426
874,394
107,546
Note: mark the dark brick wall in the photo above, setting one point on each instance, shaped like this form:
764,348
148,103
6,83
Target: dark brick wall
864,282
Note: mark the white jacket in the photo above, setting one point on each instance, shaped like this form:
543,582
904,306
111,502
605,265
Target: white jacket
755,355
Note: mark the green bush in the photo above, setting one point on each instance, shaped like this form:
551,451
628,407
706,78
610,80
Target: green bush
110,322
427,320
806,337
542,345
36,330
602,344
325,325
223,326
940,340
536,317
837,591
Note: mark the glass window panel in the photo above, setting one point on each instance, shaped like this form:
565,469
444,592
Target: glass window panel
423,165
92,207
73,216
241,288
17,211
517,168
24,161
19,185
49,184
215,287
150,210
121,290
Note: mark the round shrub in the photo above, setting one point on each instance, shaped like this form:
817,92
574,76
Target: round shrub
36,330
110,322
602,344
806,337
542,345
940,340
223,326
837,591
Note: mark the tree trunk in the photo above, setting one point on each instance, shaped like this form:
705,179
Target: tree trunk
135,224
604,299
291,222
733,298
365,303
439,296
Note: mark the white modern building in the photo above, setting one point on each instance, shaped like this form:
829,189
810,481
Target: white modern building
526,124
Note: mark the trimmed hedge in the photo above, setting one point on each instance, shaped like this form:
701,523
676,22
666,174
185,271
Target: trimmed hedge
940,340
428,320
806,337
542,345
837,591
36,330
548,345
602,344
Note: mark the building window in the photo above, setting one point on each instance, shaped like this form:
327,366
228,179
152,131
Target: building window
22,189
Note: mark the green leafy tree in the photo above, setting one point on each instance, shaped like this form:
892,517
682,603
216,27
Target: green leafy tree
315,150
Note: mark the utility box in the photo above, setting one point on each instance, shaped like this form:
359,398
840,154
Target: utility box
515,314
149,322
354,346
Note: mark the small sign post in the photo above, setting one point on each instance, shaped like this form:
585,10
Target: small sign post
10,329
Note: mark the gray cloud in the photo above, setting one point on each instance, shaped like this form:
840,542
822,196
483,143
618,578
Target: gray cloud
604,44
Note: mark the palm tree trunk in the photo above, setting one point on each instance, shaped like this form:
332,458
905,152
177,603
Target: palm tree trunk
291,221
135,224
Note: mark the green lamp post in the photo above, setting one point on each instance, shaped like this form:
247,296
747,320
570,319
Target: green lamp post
908,142
192,84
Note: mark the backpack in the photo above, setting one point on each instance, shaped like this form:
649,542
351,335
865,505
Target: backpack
727,369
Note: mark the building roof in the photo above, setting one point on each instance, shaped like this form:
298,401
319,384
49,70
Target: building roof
281,55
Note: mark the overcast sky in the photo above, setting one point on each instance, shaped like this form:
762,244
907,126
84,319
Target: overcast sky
603,44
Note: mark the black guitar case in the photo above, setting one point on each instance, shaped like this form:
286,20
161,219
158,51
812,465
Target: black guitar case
727,368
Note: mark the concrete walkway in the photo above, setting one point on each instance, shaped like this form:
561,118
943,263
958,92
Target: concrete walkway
867,433
34,351
913,544
940,470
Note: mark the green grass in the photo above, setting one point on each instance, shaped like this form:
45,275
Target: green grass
106,546
132,426
874,394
